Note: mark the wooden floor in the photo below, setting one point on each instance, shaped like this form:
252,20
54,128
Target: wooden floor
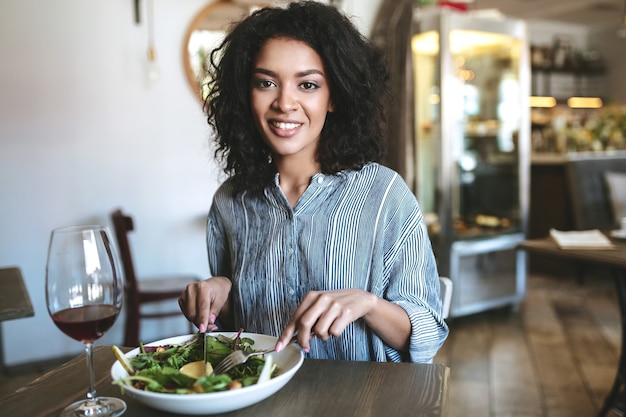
554,356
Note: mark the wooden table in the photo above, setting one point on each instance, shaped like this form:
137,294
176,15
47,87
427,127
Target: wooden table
615,260
320,388
14,300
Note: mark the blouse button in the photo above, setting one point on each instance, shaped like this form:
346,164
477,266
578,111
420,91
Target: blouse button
320,179
291,291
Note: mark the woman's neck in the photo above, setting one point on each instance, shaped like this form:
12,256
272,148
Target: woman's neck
294,177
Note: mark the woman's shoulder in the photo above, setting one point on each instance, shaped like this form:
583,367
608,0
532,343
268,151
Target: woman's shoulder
225,191
227,186
380,173
230,193
376,168
379,183
382,191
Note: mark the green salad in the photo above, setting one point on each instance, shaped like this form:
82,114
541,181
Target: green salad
158,368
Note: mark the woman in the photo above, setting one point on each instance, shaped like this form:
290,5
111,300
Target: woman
310,235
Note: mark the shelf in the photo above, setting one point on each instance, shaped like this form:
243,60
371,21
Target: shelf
563,85
573,71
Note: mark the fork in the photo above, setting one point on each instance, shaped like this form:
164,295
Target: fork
239,356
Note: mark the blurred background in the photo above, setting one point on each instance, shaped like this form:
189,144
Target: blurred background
97,113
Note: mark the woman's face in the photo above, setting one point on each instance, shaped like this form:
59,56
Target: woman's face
290,97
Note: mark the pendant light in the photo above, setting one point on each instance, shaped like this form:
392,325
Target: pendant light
153,73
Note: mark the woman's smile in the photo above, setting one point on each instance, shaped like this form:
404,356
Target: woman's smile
284,129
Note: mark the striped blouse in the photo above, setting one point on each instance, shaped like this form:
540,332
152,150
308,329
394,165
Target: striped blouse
357,229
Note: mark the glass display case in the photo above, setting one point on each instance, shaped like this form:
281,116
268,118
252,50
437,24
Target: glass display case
472,124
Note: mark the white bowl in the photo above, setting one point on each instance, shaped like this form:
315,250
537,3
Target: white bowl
289,361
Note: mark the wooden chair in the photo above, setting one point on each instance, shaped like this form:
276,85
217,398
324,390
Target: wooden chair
15,302
446,295
143,291
588,193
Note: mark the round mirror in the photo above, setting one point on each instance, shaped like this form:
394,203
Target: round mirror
205,33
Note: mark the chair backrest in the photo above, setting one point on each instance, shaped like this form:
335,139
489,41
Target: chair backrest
122,224
446,295
588,192
15,301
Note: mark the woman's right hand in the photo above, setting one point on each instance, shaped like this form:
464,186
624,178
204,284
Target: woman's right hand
203,301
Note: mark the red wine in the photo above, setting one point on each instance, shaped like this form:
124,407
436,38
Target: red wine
86,323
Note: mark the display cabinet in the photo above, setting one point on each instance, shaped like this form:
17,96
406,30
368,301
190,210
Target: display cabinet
472,124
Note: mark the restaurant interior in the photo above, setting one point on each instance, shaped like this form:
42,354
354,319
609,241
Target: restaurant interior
102,110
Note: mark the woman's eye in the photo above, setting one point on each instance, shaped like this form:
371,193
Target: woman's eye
263,84
308,85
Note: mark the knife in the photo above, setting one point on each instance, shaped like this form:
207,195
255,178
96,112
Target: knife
208,368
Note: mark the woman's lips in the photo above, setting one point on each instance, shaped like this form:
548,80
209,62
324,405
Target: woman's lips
285,129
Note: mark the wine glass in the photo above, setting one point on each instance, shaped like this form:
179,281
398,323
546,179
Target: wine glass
84,292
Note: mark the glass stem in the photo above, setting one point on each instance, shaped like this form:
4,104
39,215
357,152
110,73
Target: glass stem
91,394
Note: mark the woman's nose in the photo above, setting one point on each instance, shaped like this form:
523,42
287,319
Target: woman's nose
285,100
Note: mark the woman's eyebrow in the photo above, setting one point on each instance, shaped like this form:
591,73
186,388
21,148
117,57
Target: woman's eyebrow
310,72
298,74
264,72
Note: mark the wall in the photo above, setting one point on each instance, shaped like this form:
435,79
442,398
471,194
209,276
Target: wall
362,12
613,49
82,132
542,32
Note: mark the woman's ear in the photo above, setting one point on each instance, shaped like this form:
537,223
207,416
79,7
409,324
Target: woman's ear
331,107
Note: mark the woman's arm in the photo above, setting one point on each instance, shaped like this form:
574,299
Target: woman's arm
328,313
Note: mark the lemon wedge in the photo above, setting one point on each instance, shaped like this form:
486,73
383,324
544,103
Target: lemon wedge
123,360
196,369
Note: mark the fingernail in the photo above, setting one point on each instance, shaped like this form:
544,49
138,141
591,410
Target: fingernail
212,318
202,328
279,346
213,328
307,350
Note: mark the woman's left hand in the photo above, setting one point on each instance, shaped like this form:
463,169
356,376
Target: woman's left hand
328,313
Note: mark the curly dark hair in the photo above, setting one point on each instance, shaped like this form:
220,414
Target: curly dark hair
352,135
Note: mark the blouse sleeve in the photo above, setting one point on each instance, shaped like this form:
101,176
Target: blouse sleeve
413,284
